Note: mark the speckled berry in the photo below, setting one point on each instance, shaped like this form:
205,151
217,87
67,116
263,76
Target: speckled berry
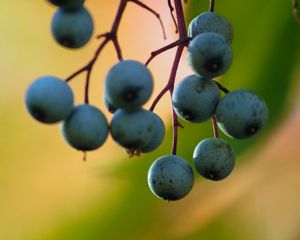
170,177
49,99
214,158
211,22
86,128
158,135
72,29
128,84
241,114
195,98
209,55
132,129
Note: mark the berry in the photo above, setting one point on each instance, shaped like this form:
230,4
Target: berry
211,22
86,128
158,134
49,99
170,177
72,29
241,114
68,4
209,55
128,84
195,98
132,129
214,158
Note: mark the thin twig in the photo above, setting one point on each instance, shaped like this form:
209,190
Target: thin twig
172,15
222,88
139,3
215,126
212,5
184,41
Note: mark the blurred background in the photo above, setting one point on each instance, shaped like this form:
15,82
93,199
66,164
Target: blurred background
47,192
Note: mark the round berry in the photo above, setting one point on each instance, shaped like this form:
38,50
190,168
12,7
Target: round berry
67,4
86,128
49,99
170,177
195,98
158,134
72,29
214,158
241,114
128,84
209,55
132,129
211,22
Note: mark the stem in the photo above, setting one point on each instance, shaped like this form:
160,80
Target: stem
184,41
215,126
170,84
222,88
212,5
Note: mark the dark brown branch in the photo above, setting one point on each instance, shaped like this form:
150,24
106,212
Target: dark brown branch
215,126
184,41
172,15
212,5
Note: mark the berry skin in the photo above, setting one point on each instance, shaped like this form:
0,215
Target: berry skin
170,177
68,4
132,129
72,29
214,159
241,114
211,22
128,84
86,128
158,134
195,98
49,99
209,55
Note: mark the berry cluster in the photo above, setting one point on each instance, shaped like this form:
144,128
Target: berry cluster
129,84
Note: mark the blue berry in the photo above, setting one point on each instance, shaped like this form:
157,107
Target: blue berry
170,177
67,4
158,134
195,98
49,99
132,129
128,84
72,29
241,114
211,22
86,128
209,55
214,158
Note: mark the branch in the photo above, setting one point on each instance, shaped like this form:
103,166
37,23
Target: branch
212,5
184,41
139,3
215,126
222,88
172,15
